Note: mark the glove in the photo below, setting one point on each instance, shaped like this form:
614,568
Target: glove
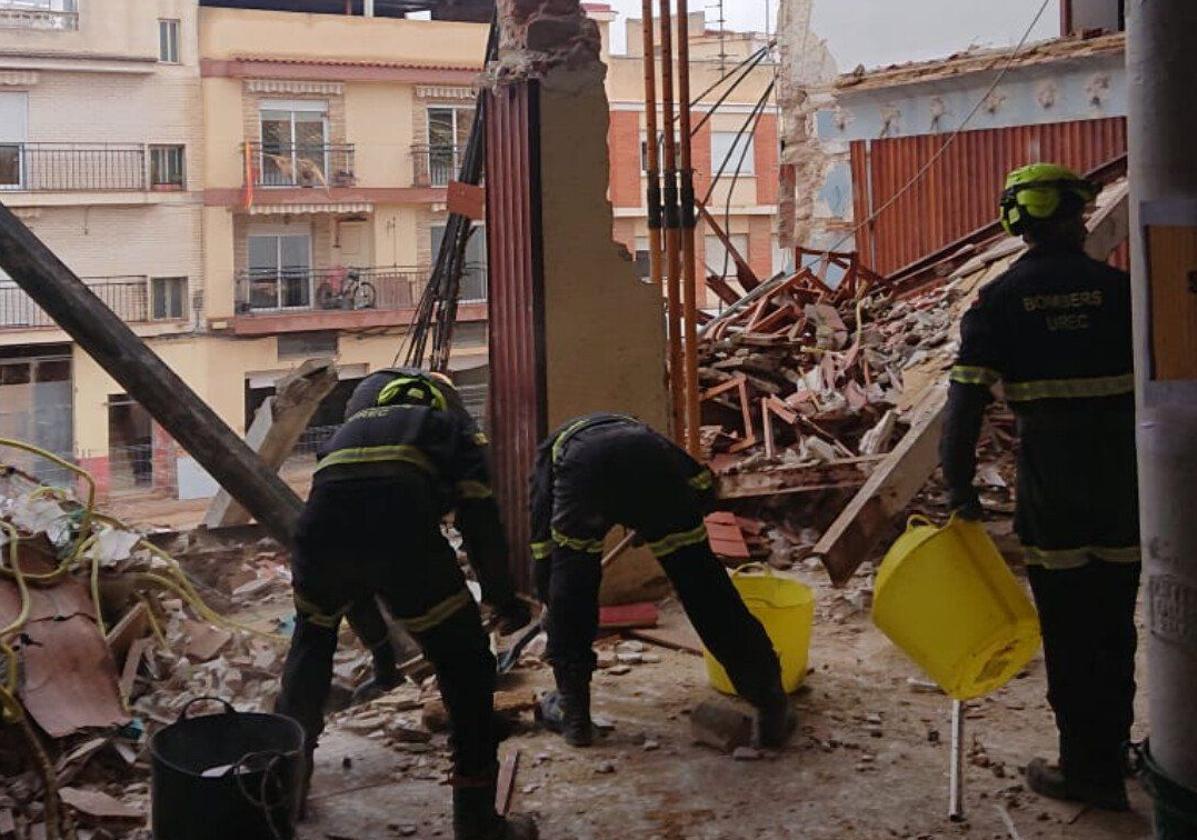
512,616
970,511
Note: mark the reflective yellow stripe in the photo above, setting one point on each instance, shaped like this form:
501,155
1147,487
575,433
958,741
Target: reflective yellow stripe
473,490
1096,386
436,615
377,454
969,375
1073,558
392,388
589,546
312,613
480,439
702,481
542,550
672,542
574,428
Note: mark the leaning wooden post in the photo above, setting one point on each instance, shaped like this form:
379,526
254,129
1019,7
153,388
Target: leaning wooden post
145,377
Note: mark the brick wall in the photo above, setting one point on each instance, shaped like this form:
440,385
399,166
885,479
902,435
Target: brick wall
760,245
623,140
700,159
766,151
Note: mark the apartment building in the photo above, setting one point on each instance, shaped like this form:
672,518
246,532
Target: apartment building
100,125
731,136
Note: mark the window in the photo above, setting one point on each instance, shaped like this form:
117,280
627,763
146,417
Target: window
643,258
719,262
166,166
280,271
448,136
169,298
473,275
725,147
14,111
294,148
168,41
677,152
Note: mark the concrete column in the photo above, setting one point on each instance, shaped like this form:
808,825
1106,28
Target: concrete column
1161,65
368,8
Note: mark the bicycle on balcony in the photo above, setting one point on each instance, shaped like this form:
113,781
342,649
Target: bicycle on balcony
346,290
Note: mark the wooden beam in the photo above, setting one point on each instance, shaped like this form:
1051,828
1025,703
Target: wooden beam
277,427
898,478
1109,226
145,377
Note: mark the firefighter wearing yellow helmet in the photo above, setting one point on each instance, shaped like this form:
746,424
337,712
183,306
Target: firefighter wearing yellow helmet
1054,333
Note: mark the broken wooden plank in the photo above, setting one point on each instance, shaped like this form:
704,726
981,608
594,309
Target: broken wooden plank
894,483
132,626
132,663
848,473
277,427
506,784
95,807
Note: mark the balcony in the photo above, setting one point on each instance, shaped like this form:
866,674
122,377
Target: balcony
300,165
127,296
48,15
72,167
435,166
290,299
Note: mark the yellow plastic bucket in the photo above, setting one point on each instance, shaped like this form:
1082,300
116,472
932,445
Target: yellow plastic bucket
786,609
946,597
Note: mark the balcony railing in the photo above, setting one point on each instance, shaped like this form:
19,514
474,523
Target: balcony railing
435,166
299,289
60,15
72,167
300,165
127,296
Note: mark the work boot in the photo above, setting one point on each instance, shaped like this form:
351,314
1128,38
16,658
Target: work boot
1049,781
374,688
568,709
305,783
475,818
774,722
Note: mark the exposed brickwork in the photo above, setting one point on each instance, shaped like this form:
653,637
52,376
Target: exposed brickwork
700,160
623,139
766,151
760,245
541,34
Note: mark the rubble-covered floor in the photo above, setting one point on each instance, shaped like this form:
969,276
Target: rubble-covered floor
843,776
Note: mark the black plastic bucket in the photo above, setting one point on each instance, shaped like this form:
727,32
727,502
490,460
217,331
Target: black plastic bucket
253,764
1175,806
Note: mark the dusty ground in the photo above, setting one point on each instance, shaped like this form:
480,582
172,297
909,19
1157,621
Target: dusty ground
836,779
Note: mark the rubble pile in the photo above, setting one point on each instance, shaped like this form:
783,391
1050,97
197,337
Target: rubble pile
808,388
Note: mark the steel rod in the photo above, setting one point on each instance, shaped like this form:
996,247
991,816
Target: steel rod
689,269
956,765
653,173
672,221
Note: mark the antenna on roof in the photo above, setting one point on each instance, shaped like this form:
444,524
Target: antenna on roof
722,21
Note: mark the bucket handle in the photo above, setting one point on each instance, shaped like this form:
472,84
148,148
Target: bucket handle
752,568
228,707
272,758
919,519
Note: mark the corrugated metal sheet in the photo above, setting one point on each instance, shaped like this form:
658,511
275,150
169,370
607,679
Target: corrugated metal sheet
517,370
960,191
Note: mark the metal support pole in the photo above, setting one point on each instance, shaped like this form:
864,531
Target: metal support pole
956,765
673,262
1161,66
653,174
146,378
689,268
368,8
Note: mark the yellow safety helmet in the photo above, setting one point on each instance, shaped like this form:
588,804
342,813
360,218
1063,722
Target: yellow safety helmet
1042,192
412,390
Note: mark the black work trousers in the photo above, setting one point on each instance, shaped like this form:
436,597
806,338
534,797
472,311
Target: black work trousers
569,583
1087,616
381,536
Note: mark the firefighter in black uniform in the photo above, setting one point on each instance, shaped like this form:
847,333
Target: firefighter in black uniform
1055,330
602,470
406,456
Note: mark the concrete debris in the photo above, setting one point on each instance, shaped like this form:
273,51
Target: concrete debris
720,726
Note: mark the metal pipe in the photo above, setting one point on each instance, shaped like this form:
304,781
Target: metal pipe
673,261
1161,65
653,173
956,765
689,269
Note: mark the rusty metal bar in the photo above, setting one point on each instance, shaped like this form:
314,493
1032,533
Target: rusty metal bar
654,157
673,257
688,221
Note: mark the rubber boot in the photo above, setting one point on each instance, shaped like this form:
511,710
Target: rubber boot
775,721
475,818
573,697
1052,782
305,783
